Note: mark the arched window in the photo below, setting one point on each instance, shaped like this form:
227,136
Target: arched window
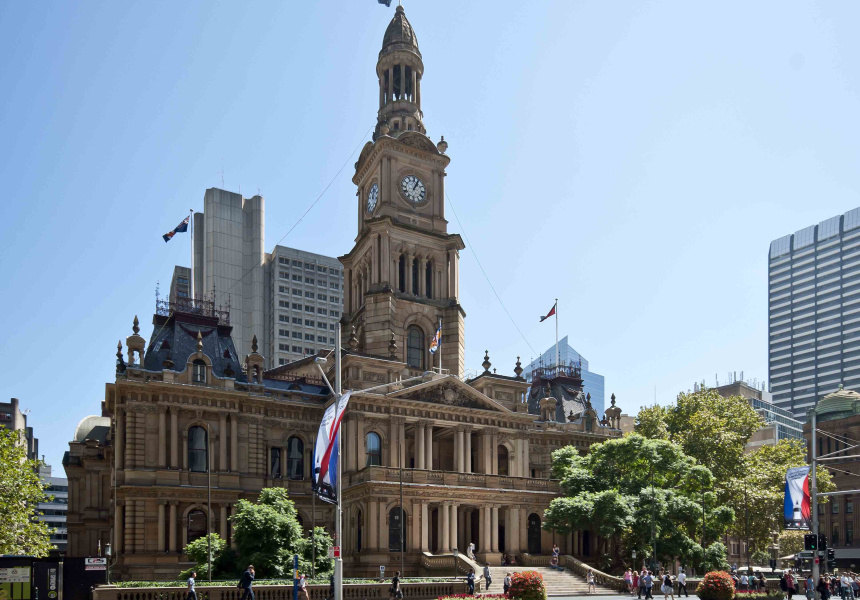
415,347
503,460
534,534
196,525
396,525
295,458
428,278
374,449
198,371
301,521
589,423
198,445
401,271
275,462
415,276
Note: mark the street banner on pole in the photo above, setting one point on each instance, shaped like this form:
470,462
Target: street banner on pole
325,451
798,501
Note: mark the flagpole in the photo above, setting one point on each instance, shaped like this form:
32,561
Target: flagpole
556,334
439,347
338,560
191,225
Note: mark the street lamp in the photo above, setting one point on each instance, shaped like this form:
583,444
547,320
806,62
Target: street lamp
107,554
209,501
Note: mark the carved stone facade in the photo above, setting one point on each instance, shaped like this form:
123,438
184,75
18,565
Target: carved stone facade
470,457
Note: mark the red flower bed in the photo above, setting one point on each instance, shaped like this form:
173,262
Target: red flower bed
716,585
528,585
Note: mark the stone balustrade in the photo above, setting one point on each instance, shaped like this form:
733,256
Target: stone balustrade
352,591
452,478
600,578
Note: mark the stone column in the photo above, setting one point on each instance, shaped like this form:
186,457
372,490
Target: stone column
422,280
494,452
128,527
402,436
171,535
467,467
222,525
527,472
129,432
360,455
428,451
119,423
407,273
515,530
390,85
351,446
418,102
283,461
494,528
174,439
485,529
454,522
414,79
458,449
373,525
425,527
514,460
162,446
117,529
393,442
382,91
222,443
234,443
444,512
161,523
419,445
402,82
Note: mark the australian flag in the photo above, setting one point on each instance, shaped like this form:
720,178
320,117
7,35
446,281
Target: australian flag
181,228
386,2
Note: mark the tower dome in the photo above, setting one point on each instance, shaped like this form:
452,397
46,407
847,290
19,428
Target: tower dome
399,35
399,70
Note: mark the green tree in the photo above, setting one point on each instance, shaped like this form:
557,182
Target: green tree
267,533
21,533
322,541
632,488
791,542
651,422
197,551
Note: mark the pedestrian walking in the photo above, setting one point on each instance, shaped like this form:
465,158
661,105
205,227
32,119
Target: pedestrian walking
192,595
506,585
642,591
488,578
396,592
855,585
810,587
592,589
331,587
823,588
628,579
470,581
246,583
635,583
303,587
649,584
790,582
667,588
682,584
744,582
555,553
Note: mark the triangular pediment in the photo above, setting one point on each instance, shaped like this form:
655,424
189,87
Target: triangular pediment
449,391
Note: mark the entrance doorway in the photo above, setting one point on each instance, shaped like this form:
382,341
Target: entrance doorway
534,534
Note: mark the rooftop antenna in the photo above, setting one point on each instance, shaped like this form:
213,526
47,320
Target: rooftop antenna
222,172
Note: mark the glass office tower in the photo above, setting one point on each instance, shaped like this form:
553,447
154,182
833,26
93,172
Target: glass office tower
592,383
814,312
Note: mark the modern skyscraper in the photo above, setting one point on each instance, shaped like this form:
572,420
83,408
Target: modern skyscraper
592,383
12,417
289,299
55,508
814,312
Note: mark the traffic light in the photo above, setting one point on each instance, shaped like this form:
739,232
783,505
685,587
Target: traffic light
822,542
810,542
831,559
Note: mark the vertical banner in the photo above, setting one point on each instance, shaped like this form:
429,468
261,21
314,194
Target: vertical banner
797,508
325,452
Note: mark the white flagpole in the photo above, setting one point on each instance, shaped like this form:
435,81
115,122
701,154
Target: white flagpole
338,561
439,347
557,364
191,236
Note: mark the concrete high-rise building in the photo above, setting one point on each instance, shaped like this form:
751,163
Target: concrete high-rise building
814,312
592,383
289,299
55,508
12,417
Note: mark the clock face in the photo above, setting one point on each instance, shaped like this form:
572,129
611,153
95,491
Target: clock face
413,189
372,197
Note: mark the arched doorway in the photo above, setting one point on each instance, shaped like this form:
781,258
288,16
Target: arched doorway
396,529
196,528
358,531
534,534
503,461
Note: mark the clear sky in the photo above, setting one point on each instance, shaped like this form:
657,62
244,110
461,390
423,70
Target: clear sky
633,159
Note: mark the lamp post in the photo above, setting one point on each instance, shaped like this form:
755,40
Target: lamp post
209,502
107,554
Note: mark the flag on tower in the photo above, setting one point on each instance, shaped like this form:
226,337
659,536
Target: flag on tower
386,2
437,339
550,313
181,228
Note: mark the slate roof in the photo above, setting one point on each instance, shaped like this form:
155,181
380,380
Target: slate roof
568,394
175,336
399,34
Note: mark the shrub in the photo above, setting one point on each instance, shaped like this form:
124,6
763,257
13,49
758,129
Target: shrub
528,585
716,585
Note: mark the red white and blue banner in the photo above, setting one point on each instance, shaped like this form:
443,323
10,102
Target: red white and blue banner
325,482
797,508
437,339
181,228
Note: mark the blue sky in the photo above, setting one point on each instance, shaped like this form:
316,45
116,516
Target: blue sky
633,159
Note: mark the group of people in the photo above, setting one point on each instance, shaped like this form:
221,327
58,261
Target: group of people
641,583
752,582
488,579
846,586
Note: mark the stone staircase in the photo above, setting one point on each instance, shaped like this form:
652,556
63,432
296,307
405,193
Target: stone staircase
558,583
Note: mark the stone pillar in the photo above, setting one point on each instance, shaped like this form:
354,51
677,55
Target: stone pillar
425,527
454,522
401,427
119,424
117,529
414,79
485,529
174,439
360,455
222,443
419,445
171,534
444,512
234,443
382,91
422,279
494,453
494,528
514,460
222,524
458,449
351,446
162,447
129,448
527,472
390,85
402,82
373,525
428,451
393,442
407,273
515,530
161,523
467,451
418,102
128,528
283,461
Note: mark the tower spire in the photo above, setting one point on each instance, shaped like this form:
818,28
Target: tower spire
399,71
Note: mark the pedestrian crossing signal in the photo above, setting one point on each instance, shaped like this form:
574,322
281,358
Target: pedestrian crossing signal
810,542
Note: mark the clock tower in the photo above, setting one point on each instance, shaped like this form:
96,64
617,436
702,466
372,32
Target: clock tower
401,277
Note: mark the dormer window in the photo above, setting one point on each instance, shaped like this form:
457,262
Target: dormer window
198,371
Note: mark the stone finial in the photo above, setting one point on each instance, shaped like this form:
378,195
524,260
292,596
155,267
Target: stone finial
612,400
588,400
199,342
571,417
840,387
442,145
384,128
518,369
135,325
486,364
392,346
167,363
119,349
353,340
254,344
120,363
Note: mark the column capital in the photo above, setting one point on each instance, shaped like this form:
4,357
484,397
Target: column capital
459,428
398,420
163,502
425,423
486,431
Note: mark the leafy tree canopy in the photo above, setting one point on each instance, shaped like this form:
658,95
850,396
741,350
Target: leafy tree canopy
21,533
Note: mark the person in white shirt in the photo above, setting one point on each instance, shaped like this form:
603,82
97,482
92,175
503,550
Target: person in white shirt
682,583
744,581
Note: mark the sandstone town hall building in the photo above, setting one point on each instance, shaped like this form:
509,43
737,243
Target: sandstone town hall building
473,454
